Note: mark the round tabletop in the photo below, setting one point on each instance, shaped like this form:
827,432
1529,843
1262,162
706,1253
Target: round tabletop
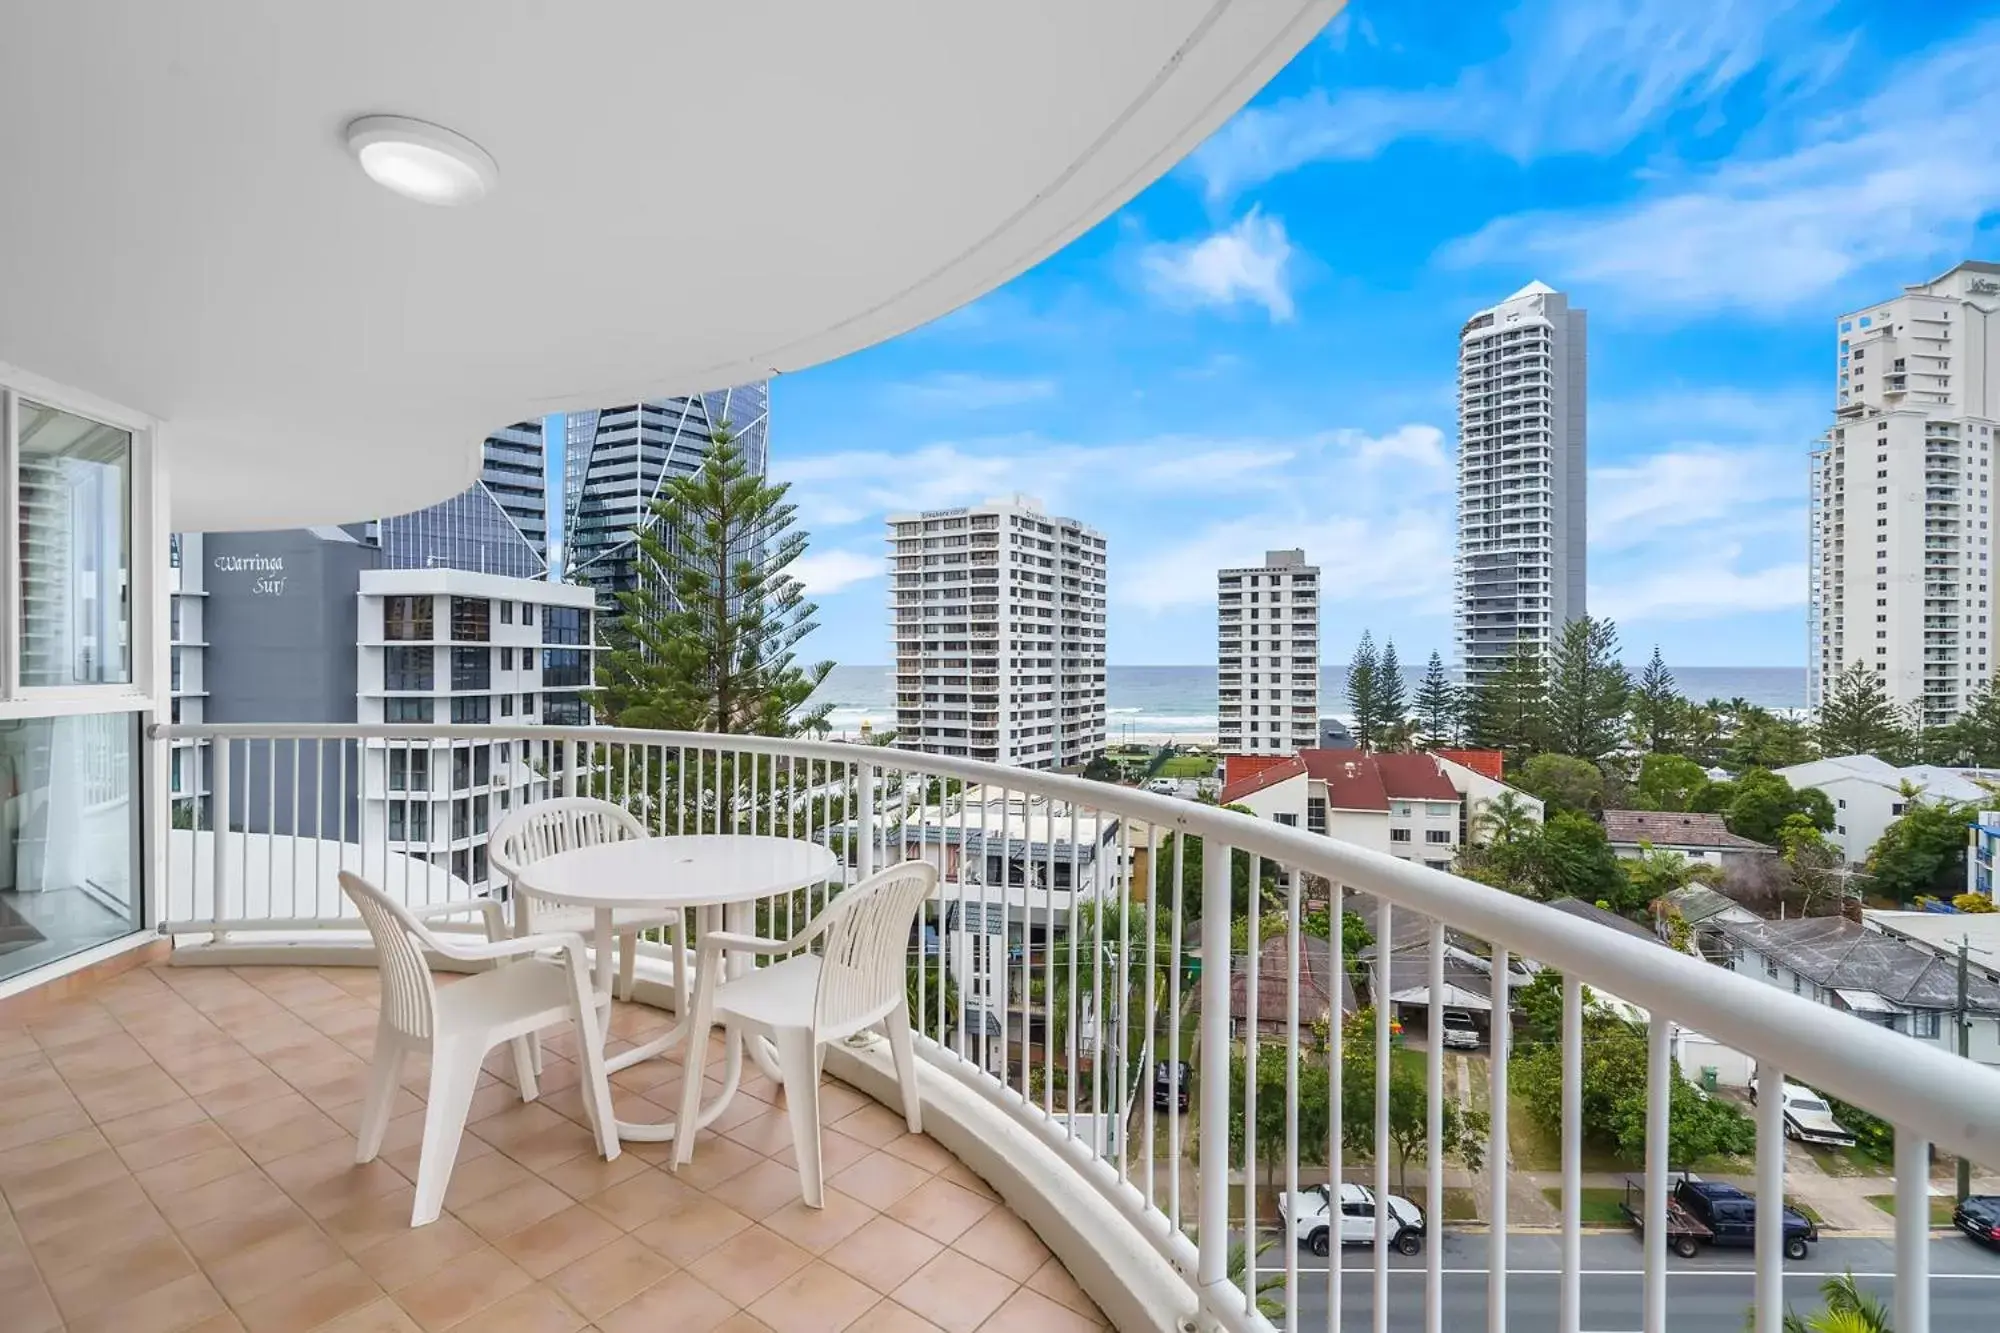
675,872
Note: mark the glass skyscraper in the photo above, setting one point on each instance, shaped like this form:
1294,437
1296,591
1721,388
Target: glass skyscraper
617,460
499,526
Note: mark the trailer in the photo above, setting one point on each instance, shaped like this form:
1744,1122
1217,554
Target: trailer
1685,1232
1705,1212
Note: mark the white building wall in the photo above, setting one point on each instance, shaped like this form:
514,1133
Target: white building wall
1902,495
1984,1045
1267,656
187,762
998,627
1523,441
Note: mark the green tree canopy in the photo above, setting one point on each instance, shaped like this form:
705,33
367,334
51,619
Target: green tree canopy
1439,709
1364,692
1856,717
1391,698
706,640
1564,782
1923,853
1669,781
1656,705
1589,690
1509,710
1572,858
1463,1136
1757,804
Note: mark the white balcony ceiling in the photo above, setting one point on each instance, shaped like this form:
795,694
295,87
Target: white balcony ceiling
690,195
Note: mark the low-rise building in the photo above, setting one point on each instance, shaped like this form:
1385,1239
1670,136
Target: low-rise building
1868,973
1415,806
1696,836
1869,794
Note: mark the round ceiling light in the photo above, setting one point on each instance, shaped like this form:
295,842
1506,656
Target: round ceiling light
422,161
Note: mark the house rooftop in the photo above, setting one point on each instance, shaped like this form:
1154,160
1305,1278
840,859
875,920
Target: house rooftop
1577,907
1698,903
1355,779
1674,828
1843,955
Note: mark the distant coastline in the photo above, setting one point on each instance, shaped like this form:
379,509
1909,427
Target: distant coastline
1161,704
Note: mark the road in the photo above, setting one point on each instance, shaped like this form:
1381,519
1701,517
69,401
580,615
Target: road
1706,1294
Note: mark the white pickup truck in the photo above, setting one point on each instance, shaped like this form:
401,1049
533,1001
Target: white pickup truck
1808,1118
1307,1216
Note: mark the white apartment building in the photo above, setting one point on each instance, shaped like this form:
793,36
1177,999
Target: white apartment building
187,763
1521,480
1267,656
448,646
1901,492
998,622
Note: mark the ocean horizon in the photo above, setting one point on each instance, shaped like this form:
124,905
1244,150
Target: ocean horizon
1163,702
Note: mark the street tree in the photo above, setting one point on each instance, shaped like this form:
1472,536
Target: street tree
1813,862
1463,1136
1571,858
1857,717
1509,710
1669,781
1564,782
1589,690
1922,854
1364,692
1656,705
1391,698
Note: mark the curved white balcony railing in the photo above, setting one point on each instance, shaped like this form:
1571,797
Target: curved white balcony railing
1052,974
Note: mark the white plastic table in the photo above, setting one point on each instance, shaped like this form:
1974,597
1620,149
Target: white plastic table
725,873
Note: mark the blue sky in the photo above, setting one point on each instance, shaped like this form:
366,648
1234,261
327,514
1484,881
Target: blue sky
1258,350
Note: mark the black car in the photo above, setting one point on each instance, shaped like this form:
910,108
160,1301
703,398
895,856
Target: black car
1170,1085
1979,1218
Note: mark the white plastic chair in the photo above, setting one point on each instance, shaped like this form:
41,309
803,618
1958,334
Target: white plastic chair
810,999
560,825
459,1024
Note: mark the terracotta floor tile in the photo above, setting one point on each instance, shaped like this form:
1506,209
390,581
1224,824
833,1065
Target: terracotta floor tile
819,1298
878,1180
1005,1243
165,1309
690,1226
955,1293
310,1302
32,1188
716,1160
536,1310
883,1253
372,1221
1054,1281
27,1301
818,1230
215,1241
639,1199
122,1273
587,1175
86,1243
1030,1312
411,1255
310,1128
461,1289
558,1240
379,1316
920,1150
609,1277
126,1092
760,1191
143,1154
482,1177
874,1124
551,1147
17,1164
194,1170
680,1302
509,1210
749,1263
889,1317
243,1192
766,1132
261,1268
101,1205
743,1322
940,1209
837,1152
46,1124
225,1322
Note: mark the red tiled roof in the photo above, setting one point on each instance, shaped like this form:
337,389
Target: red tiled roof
1486,763
1353,782
1241,767
1414,777
1235,789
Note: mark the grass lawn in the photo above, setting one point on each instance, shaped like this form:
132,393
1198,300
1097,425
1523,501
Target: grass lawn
1460,1205
1806,1210
1599,1206
1847,1161
1187,766
1941,1207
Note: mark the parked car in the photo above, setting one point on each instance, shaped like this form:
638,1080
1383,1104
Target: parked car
1979,1218
1808,1118
1170,1085
1460,1032
1708,1212
1309,1217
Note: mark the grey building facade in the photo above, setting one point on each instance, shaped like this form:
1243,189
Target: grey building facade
499,525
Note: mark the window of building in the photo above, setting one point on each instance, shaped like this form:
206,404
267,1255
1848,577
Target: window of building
1925,1023
564,710
564,668
406,710
1399,835
1438,865
1316,814
471,620
1896,808
527,613
564,624
409,770
472,708
406,669
1440,810
528,706
506,613
1288,820
506,705
406,618
471,668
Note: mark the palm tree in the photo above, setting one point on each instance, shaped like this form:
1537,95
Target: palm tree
1503,819
1848,1309
1271,1307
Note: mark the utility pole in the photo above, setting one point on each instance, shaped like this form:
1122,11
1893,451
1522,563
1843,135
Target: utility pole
1964,1053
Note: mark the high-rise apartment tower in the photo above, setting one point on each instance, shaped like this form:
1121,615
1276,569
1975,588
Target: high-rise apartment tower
1901,496
498,526
1521,489
999,634
1267,656
620,457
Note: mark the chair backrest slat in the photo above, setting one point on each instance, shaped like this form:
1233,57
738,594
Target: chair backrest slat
409,997
560,825
865,944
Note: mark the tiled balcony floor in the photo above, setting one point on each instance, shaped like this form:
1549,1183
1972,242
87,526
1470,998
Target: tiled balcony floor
176,1153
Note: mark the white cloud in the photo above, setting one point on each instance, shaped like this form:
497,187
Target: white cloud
1578,76
1704,585
962,392
1420,447
1908,175
1245,263
1694,488
1368,555
831,570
